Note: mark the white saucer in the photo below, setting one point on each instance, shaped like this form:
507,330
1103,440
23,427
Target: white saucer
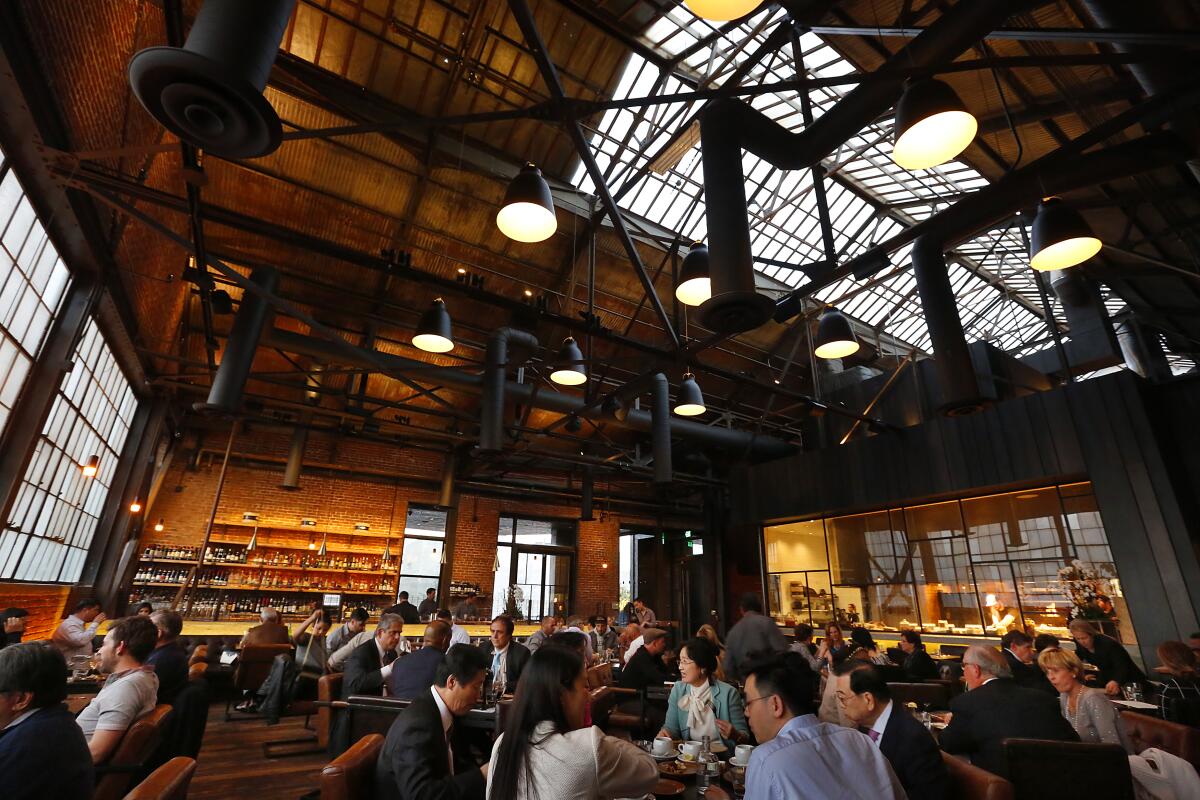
671,756
733,762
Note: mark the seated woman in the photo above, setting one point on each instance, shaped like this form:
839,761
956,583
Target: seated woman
1090,713
700,705
863,648
1107,655
710,633
833,649
546,752
311,654
1178,673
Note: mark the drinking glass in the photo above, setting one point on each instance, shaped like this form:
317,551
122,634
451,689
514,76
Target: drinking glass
1129,691
738,779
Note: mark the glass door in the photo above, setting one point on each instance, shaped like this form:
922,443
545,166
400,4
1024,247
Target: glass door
543,578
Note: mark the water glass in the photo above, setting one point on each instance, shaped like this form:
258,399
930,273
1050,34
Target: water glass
1129,691
737,777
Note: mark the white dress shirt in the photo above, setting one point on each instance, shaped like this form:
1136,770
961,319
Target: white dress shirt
500,667
634,646
74,637
881,722
447,722
459,635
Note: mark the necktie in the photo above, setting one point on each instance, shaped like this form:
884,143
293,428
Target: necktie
388,657
496,664
874,734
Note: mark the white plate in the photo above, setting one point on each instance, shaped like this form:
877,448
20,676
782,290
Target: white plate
733,762
671,756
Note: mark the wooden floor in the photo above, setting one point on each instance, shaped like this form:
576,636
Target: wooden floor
231,762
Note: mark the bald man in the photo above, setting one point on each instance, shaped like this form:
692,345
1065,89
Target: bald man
414,674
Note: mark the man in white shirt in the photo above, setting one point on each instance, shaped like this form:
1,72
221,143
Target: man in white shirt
356,624
458,634
636,644
130,691
73,636
798,756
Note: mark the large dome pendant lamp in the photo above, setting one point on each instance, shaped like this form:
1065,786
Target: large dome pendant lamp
835,336
1060,237
690,402
528,211
721,10
695,286
433,331
932,125
568,367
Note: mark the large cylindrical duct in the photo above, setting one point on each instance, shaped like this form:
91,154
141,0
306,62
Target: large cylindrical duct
951,355
586,486
210,91
491,412
446,495
295,461
225,396
660,429
1143,351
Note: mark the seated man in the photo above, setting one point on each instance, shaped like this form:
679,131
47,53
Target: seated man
131,690
355,624
271,631
797,755
906,744
74,635
425,754
417,672
371,663
507,658
42,751
169,659
917,665
602,638
338,658
995,708
646,668
1017,649
12,620
539,637
458,634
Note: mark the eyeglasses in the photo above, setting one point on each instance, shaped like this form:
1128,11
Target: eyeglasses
756,699
686,662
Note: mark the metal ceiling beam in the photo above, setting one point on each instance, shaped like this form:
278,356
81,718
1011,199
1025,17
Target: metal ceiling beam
1169,38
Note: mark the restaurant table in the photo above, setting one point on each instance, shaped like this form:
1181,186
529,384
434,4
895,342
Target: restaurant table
78,702
369,714
85,686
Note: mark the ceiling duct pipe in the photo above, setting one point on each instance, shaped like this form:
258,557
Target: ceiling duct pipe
295,460
728,125
660,429
491,414
253,316
586,486
1143,351
209,92
951,354
760,447
447,498
1092,343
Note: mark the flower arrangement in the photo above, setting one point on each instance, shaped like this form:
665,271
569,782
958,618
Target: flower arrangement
1089,591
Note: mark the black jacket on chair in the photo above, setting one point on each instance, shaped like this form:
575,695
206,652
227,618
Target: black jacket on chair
999,710
414,762
362,674
515,660
918,666
914,756
1029,675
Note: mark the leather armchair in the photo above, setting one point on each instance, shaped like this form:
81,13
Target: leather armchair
351,775
1147,731
168,782
968,782
136,747
1050,770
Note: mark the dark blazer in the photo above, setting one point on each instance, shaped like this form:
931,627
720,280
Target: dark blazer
643,670
414,763
914,756
415,673
1113,661
362,674
515,660
407,612
1028,675
171,666
998,710
918,666
44,757
266,633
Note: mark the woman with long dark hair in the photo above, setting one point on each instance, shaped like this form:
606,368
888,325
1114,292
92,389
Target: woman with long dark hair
546,753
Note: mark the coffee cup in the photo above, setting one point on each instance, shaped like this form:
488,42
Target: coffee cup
661,746
742,753
691,750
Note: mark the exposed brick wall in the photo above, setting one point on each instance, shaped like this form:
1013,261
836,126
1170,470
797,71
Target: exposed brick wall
44,602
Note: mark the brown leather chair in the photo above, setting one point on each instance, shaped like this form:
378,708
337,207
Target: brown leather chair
196,671
168,782
1147,731
253,667
329,689
1048,770
351,775
968,782
199,655
935,696
135,749
593,678
604,673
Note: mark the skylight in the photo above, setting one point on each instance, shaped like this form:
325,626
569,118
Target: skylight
998,299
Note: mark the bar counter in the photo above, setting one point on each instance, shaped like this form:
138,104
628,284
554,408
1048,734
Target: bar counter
192,627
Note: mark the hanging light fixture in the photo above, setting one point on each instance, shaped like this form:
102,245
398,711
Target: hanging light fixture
135,506
721,10
1060,237
568,367
90,467
158,526
932,125
433,331
322,552
253,539
690,402
835,336
528,211
361,526
694,284
387,551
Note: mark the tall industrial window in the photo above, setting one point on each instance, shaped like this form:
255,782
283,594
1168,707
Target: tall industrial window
533,567
55,515
33,280
421,559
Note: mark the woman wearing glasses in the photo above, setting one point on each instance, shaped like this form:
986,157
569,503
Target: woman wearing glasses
700,705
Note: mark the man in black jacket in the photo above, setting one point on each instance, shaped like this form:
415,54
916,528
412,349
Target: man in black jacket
169,658
904,742
406,610
370,665
43,753
417,672
646,667
1017,649
425,756
994,709
506,657
918,666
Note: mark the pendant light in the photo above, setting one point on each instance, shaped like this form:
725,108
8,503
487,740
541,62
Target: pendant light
433,331
253,539
387,551
528,211
721,10
568,367
321,551
1060,237
694,284
690,402
932,125
90,467
835,336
